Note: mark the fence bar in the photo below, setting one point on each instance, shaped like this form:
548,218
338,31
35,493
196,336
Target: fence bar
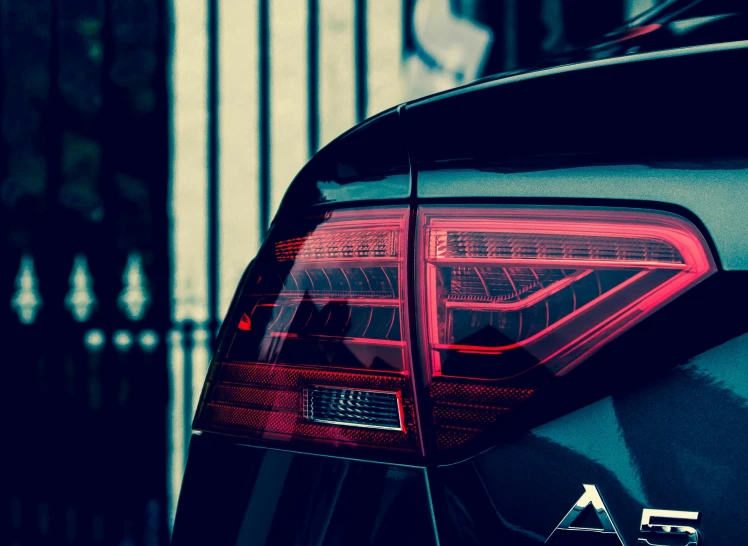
264,114
510,34
188,346
361,60
313,84
409,41
213,180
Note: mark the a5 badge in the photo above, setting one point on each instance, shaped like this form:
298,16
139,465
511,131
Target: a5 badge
655,524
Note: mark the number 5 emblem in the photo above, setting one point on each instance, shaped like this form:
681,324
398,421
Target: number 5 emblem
671,530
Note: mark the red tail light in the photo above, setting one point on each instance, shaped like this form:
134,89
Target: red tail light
316,346
318,351
510,294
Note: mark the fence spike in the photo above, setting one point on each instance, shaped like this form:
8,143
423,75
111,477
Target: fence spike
134,298
80,300
27,300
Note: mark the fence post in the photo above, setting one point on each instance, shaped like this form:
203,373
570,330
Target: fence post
213,204
188,344
361,53
264,121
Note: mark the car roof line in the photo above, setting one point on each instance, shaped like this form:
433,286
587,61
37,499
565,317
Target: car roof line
583,65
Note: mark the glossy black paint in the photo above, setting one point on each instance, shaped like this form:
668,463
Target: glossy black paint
657,109
241,495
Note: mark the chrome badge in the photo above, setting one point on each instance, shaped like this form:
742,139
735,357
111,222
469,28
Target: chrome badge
566,533
671,526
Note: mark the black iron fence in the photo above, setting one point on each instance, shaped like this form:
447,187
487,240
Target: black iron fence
85,271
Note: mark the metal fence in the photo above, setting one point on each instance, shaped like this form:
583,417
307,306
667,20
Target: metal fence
84,274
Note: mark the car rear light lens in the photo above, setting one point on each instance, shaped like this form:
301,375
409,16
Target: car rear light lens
316,348
512,296
362,408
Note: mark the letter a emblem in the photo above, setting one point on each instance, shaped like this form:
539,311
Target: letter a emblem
567,534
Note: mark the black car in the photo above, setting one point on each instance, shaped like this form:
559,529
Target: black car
512,313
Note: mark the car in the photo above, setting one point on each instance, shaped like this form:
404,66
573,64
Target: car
511,313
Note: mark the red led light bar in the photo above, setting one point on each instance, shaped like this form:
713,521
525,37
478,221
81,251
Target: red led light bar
505,291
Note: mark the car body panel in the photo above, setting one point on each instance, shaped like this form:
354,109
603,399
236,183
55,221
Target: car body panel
241,495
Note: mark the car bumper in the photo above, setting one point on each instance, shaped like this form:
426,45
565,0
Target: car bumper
236,494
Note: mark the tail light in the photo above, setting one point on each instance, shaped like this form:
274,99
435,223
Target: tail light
316,348
513,296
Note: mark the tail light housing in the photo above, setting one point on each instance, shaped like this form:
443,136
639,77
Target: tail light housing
316,345
511,297
317,349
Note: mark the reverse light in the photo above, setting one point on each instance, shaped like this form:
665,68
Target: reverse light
511,296
353,407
